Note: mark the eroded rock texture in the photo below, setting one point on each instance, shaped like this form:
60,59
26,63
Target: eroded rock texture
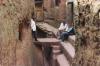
15,52
87,24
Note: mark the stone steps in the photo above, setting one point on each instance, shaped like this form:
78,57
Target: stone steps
56,47
63,52
72,39
62,61
47,27
68,50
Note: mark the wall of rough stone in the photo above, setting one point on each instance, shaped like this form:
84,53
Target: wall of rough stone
57,12
87,26
62,10
15,52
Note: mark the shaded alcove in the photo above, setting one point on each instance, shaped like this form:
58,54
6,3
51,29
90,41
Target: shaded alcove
41,33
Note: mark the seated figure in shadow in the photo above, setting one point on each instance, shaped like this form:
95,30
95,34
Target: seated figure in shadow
62,28
67,32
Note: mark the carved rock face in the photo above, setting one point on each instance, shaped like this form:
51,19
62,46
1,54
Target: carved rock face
88,50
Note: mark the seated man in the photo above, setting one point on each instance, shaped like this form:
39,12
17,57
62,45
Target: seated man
66,33
62,28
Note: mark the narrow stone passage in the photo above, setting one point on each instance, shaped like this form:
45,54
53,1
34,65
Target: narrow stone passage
61,53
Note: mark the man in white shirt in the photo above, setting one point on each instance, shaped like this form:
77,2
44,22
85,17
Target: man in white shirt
63,26
33,26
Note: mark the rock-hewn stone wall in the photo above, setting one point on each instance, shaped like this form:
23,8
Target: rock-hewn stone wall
15,52
87,26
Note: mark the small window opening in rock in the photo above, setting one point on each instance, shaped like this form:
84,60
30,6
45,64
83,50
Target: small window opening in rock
24,24
41,33
57,2
99,13
38,1
20,31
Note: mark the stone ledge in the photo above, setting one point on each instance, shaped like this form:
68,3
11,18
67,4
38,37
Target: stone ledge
62,60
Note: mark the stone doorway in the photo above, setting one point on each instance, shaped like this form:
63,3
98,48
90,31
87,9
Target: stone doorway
39,14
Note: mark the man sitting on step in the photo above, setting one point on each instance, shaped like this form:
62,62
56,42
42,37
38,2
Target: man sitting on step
68,31
62,28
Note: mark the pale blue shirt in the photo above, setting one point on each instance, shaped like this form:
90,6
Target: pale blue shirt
69,29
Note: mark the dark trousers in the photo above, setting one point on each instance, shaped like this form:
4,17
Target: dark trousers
34,35
66,34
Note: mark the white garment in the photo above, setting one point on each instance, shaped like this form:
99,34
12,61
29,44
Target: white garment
33,25
62,27
69,29
66,29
